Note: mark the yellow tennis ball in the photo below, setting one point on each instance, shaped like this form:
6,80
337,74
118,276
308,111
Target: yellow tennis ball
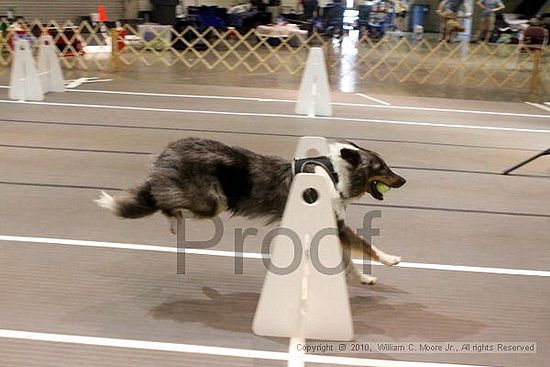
382,187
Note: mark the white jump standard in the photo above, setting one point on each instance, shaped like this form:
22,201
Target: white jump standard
29,81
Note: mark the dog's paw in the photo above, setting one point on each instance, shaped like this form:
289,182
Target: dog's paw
368,279
390,260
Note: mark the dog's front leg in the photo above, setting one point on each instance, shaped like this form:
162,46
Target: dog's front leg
349,238
352,271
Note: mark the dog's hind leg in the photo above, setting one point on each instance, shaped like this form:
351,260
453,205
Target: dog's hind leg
347,236
172,217
176,215
173,221
176,200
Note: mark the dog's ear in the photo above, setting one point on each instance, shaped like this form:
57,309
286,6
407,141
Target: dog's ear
352,156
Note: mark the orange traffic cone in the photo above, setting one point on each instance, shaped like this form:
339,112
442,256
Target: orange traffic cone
102,16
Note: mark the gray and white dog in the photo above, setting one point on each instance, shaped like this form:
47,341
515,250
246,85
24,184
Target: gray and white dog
206,177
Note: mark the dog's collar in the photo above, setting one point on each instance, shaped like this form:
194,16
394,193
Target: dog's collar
299,164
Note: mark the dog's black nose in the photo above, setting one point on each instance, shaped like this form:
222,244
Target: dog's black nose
400,182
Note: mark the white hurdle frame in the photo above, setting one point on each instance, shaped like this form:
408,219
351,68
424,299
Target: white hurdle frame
29,81
296,305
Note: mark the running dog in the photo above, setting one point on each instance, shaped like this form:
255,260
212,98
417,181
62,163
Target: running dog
207,177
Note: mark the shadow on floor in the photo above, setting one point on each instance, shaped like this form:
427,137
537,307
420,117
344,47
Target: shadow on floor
372,315
231,311
407,321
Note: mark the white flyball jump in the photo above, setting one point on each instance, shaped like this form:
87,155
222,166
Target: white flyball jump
49,67
307,302
314,93
29,81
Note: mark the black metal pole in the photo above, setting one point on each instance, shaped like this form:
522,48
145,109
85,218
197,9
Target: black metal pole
546,152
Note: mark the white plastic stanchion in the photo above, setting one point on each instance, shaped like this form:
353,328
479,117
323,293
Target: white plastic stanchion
24,81
29,82
314,93
308,302
49,67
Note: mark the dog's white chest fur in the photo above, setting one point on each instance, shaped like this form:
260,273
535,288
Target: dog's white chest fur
341,167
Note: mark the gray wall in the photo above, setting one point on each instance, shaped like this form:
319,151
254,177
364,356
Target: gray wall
61,10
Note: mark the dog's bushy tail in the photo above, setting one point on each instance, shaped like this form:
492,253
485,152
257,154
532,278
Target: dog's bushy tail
134,203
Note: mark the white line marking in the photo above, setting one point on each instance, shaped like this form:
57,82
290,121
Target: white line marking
78,82
142,344
547,103
74,83
173,95
255,99
210,350
373,99
174,110
295,354
474,269
126,246
254,255
539,105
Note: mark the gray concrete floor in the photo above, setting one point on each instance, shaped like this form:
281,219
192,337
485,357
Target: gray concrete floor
456,209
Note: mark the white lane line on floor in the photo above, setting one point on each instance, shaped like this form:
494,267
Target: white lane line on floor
296,352
257,99
339,119
547,103
210,350
539,105
474,269
174,95
373,99
254,255
73,83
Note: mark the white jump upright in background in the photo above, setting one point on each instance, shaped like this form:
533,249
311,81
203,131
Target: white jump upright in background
24,81
314,93
49,67
307,302
28,81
